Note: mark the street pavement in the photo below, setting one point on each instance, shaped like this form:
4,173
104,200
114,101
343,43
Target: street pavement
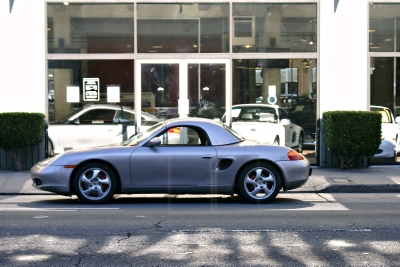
374,179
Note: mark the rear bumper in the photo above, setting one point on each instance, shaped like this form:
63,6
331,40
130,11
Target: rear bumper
296,173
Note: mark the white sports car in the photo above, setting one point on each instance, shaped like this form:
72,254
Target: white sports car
95,125
267,124
390,144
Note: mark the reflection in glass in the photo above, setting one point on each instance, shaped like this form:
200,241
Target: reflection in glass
292,83
382,88
64,73
206,90
160,89
384,22
90,28
274,28
183,28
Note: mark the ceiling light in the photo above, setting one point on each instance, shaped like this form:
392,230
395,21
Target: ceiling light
65,3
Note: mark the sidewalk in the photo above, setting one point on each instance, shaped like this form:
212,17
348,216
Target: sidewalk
375,179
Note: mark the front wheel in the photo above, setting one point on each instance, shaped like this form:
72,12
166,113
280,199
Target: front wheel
95,183
259,183
276,141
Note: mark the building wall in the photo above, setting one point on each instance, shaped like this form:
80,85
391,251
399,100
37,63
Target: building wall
22,50
343,59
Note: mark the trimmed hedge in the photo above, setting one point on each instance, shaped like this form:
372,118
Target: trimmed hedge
351,135
19,130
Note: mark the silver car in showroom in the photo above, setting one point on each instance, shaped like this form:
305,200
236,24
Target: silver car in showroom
209,158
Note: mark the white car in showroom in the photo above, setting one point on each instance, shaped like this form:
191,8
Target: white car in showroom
267,124
95,125
390,144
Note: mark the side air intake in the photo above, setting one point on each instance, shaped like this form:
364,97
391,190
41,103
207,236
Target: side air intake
223,164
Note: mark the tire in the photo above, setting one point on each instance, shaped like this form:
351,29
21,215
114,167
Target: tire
276,141
50,149
301,143
95,183
259,183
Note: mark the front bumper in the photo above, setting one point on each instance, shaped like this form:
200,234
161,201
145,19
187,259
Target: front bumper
386,150
51,178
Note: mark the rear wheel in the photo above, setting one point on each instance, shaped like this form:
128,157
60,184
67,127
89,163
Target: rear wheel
301,143
95,183
259,183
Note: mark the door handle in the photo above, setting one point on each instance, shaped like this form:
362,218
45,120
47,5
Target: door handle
208,156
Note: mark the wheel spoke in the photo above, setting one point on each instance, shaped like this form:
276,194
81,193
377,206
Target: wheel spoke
85,180
88,191
95,173
256,190
269,178
100,192
258,173
250,181
105,181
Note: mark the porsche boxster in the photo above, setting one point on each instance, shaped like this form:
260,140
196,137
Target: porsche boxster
210,157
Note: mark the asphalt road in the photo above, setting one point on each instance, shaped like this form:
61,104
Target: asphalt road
297,229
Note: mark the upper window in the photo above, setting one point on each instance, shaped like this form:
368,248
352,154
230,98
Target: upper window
384,28
183,28
90,28
270,27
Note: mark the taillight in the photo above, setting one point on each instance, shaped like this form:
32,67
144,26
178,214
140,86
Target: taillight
174,130
293,155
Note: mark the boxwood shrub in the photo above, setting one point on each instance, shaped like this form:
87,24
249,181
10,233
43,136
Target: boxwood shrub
351,135
19,130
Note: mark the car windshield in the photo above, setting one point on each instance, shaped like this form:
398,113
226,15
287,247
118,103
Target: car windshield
253,113
66,118
385,113
134,139
234,133
262,114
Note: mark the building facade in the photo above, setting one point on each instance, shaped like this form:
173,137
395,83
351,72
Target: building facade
188,58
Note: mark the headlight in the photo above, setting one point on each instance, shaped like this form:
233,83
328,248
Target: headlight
47,161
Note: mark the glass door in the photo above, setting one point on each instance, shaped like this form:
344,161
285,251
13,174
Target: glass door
182,88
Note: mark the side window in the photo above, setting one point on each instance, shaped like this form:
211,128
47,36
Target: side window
184,136
282,114
126,117
97,116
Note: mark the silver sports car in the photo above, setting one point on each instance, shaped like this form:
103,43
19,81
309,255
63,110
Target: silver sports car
177,156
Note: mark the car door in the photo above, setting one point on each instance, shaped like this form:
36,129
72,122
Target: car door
94,127
173,163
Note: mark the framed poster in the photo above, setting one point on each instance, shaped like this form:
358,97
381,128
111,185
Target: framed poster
91,89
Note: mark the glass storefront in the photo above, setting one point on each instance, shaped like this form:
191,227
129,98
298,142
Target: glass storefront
274,28
246,49
65,74
384,47
90,28
183,28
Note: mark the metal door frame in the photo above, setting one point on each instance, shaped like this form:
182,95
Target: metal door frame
183,84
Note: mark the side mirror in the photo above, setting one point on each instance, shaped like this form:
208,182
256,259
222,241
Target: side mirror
397,119
76,121
156,141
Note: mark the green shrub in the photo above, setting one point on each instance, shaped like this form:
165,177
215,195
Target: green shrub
351,135
19,130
